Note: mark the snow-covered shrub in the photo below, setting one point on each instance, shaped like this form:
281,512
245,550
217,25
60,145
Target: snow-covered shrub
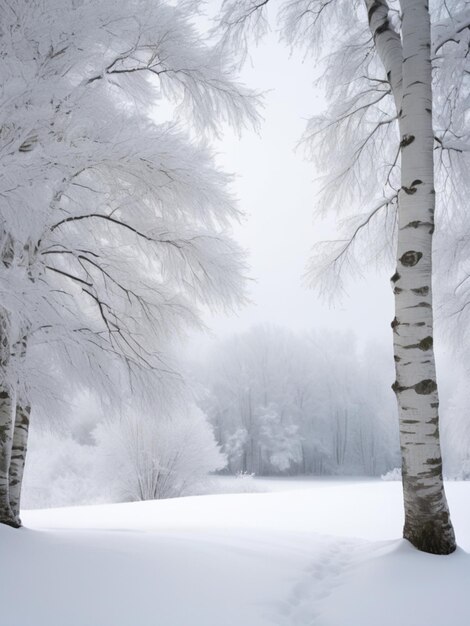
60,472
393,474
132,458
240,483
164,457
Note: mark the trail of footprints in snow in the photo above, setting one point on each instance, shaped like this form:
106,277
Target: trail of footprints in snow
304,606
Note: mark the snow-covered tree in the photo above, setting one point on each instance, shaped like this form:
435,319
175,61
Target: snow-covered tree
248,400
113,217
144,458
396,82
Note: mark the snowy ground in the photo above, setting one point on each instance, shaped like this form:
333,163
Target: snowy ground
309,553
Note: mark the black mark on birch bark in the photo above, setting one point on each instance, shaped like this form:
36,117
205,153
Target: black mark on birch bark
397,388
410,258
426,343
425,387
413,188
373,8
406,140
421,291
434,471
382,28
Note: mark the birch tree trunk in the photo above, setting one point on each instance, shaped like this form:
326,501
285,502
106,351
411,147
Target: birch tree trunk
407,62
427,520
6,426
22,414
18,457
14,411
6,438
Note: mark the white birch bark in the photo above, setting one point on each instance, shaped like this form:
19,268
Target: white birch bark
427,521
408,66
18,457
6,438
21,418
388,45
6,427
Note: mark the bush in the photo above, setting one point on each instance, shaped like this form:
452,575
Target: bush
134,458
393,474
145,459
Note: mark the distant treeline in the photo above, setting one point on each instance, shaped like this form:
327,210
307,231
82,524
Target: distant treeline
285,403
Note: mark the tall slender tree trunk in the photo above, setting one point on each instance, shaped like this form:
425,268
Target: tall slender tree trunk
7,397
407,62
427,520
22,415
6,425
6,440
18,457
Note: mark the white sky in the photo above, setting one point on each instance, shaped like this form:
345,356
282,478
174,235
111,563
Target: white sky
276,189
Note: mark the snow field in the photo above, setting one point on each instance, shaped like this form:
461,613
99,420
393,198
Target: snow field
308,553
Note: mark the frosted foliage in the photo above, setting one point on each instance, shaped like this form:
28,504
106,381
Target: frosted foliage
128,458
354,141
452,130
278,441
282,403
394,474
235,444
60,472
159,457
114,228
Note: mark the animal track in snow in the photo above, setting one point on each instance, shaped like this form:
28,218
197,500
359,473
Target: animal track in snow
327,572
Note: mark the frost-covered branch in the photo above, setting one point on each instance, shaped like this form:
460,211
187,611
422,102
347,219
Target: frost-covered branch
367,237
114,224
